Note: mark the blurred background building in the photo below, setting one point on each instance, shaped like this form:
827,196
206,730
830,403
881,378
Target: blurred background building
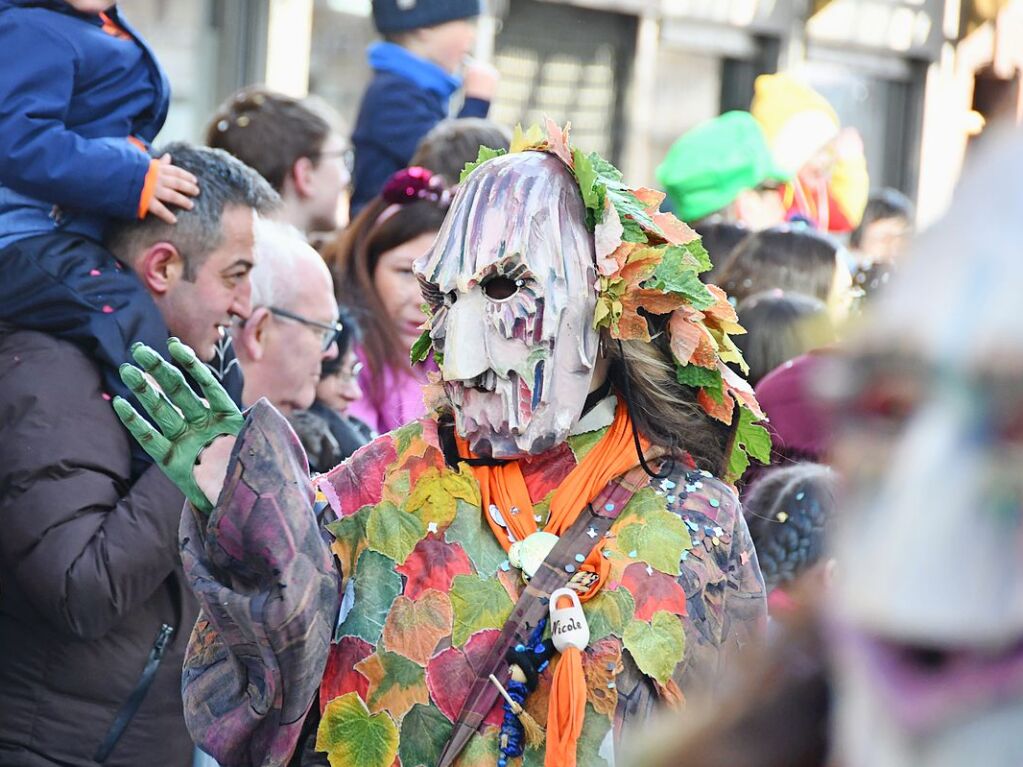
918,78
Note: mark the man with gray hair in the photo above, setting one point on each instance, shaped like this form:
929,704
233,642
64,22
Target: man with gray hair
293,325
94,610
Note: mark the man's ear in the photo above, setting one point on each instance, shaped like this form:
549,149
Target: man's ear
159,267
302,177
250,336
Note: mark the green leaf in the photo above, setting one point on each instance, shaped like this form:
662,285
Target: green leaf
485,153
424,733
352,737
392,677
404,435
350,536
376,586
476,538
609,613
581,444
658,646
657,536
478,603
751,440
677,275
699,377
586,177
698,252
393,532
421,348
631,231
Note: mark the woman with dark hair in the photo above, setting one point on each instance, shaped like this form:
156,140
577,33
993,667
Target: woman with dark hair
780,326
329,433
794,259
372,266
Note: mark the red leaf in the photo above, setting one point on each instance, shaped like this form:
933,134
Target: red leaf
433,564
451,672
653,591
340,676
685,333
359,481
546,474
676,232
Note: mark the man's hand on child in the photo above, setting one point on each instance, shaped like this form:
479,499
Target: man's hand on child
479,80
174,186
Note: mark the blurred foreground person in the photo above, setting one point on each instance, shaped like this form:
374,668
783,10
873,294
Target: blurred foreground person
929,592
564,452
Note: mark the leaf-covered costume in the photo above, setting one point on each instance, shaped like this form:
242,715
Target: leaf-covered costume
425,590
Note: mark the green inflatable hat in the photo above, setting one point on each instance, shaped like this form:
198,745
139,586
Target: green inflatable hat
709,166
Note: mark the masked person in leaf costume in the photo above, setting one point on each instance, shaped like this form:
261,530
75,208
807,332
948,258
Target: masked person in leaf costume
582,412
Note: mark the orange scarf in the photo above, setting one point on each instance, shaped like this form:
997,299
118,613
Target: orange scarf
505,487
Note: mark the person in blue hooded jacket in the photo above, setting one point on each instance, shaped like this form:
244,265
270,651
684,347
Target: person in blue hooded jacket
81,98
421,62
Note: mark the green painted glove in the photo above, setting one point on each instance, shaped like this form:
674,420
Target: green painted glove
185,424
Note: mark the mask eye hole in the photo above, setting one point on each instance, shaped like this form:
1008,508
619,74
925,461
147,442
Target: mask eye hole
499,288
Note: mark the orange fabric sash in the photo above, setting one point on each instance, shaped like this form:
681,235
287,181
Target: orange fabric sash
504,487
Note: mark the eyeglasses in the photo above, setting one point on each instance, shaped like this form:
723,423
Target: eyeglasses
347,156
328,331
347,376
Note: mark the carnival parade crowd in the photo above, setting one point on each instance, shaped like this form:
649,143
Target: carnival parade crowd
435,441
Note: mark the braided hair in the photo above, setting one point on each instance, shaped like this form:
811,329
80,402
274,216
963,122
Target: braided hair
789,512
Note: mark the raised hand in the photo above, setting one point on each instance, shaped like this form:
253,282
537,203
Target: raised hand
185,424
174,186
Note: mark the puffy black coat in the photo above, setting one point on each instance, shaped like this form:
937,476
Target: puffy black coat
94,611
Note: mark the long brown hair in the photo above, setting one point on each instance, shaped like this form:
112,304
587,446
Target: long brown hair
353,259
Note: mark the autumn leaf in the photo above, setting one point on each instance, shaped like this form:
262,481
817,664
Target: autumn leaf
354,738
433,498
476,538
673,230
359,481
657,536
421,348
451,672
685,333
413,628
395,683
740,389
657,646
718,407
653,591
751,439
557,141
699,377
607,237
393,532
650,198
349,539
424,733
482,750
478,603
531,138
602,662
340,676
376,586
609,612
485,153
432,565
722,314
404,437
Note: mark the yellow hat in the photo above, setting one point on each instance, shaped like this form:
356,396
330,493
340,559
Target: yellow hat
797,121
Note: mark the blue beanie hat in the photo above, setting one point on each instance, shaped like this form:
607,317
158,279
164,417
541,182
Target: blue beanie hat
394,16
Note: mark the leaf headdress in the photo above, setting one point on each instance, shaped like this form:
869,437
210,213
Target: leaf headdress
649,263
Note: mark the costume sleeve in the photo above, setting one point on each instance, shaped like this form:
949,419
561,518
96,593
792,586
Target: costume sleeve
85,548
474,107
745,599
268,590
42,158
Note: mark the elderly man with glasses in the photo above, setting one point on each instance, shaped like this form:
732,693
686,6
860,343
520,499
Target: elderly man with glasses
293,325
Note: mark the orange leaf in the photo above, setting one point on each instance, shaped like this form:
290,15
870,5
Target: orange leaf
653,301
652,591
684,333
396,684
740,389
602,662
632,327
557,141
413,629
706,354
722,313
722,411
676,232
651,198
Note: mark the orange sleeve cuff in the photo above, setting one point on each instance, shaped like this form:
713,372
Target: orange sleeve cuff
148,187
